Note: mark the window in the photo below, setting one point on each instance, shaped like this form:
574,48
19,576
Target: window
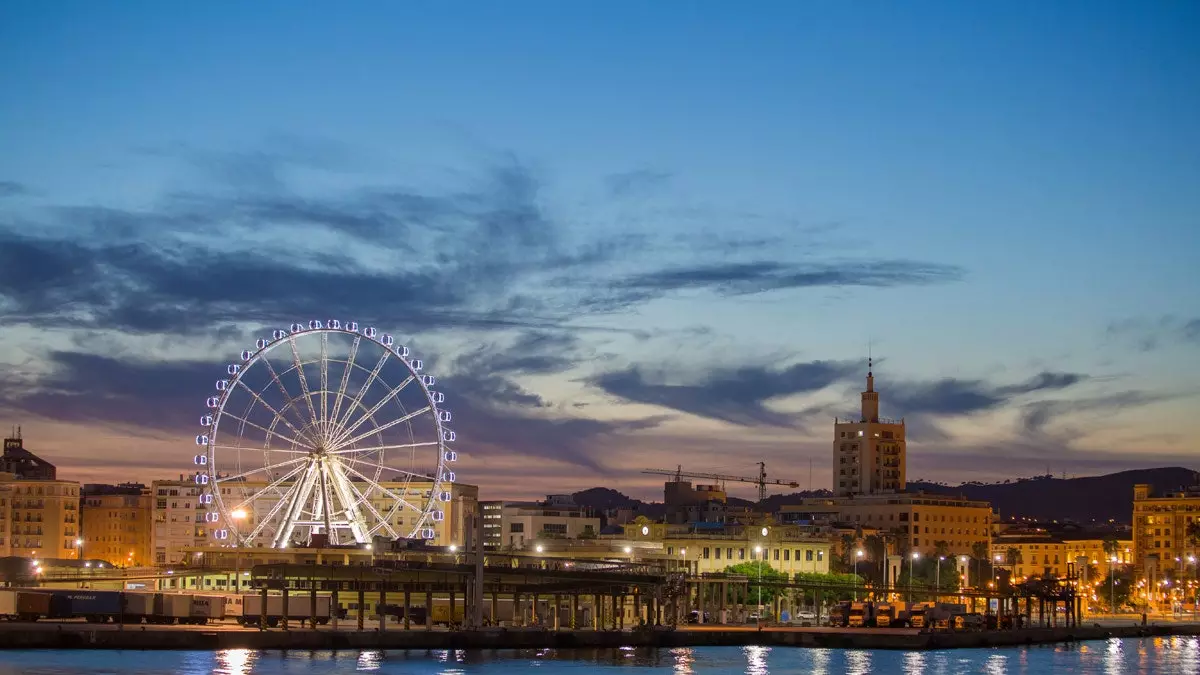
808,554
516,527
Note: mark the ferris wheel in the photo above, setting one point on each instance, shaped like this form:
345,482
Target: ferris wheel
325,429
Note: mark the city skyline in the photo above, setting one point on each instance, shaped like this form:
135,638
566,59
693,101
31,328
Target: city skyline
679,249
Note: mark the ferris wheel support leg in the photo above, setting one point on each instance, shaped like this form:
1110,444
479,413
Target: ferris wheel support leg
296,508
345,494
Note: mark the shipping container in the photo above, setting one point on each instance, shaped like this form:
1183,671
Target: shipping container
299,609
206,608
139,607
95,606
171,607
21,605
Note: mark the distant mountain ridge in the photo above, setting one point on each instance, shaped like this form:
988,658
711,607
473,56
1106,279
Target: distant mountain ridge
1083,500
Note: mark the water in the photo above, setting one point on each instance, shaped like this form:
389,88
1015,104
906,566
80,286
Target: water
1176,656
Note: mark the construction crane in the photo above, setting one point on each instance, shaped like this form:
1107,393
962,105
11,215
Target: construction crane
761,480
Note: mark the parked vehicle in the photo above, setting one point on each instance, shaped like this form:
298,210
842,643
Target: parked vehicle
18,605
299,608
928,614
969,621
862,615
206,608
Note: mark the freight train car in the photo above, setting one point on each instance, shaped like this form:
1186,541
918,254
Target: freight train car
299,608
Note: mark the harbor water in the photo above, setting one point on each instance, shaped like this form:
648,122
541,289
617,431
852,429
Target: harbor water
1165,655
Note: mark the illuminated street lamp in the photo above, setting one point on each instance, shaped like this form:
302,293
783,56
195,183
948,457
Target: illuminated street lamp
858,555
911,569
937,584
79,546
758,554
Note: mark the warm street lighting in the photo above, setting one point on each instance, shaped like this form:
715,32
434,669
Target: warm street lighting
539,548
453,548
757,552
239,514
629,549
858,555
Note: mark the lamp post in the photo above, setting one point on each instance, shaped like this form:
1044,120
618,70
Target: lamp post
937,584
758,554
238,515
911,569
858,555
1112,585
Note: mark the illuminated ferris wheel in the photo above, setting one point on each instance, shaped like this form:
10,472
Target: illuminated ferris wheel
325,429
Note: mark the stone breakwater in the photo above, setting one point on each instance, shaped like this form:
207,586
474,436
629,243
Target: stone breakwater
84,636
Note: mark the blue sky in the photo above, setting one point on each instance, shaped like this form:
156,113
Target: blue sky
679,208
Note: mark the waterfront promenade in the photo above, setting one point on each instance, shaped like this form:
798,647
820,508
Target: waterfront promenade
69,635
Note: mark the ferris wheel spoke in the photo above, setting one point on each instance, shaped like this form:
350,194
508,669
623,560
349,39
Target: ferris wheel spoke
383,427
382,490
358,399
278,415
270,486
269,432
268,468
303,380
341,392
324,384
275,509
370,414
375,448
351,498
287,395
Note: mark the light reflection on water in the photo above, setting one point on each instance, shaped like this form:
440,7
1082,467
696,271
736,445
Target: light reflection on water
1175,655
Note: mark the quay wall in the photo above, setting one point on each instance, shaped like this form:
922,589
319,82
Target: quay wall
82,636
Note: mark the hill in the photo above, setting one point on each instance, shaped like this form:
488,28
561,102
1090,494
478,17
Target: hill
1083,500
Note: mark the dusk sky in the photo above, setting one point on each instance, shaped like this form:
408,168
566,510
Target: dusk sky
626,234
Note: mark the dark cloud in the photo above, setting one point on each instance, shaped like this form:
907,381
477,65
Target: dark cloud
952,396
735,395
636,183
760,276
10,188
1037,416
1151,334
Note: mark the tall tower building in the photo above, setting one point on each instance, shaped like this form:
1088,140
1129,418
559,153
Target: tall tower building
868,453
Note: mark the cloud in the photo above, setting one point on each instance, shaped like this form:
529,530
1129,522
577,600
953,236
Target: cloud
1037,416
636,183
950,396
761,276
734,395
1152,334
10,188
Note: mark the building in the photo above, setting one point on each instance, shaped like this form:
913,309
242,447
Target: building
516,525
43,517
118,524
258,504
23,463
178,520
868,453
789,549
1045,554
1166,529
910,521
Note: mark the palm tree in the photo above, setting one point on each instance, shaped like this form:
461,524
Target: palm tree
1012,556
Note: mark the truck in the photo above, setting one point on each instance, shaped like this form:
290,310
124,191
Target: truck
441,614
891,614
94,606
839,614
862,615
927,614
299,609
21,605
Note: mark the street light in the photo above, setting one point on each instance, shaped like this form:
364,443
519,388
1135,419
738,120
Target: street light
912,568
857,556
937,584
758,554
966,561
79,545
1112,585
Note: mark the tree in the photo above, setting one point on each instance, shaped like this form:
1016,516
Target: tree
1114,592
1111,547
1193,534
836,586
980,551
754,570
1012,556
941,549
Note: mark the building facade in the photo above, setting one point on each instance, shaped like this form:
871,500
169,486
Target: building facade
43,517
869,454
917,522
1166,528
783,548
118,525
517,525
